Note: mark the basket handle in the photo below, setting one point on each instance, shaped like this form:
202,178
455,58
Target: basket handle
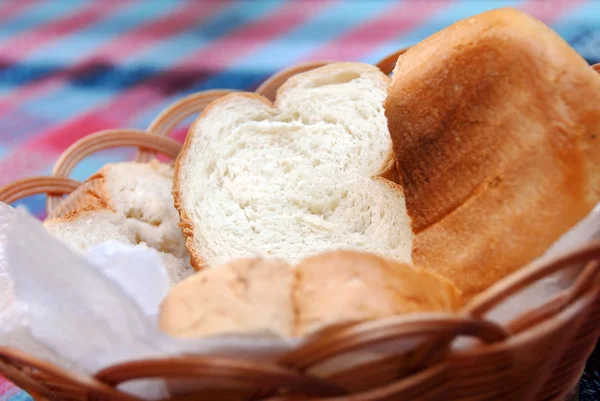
388,63
362,335
269,87
17,360
528,275
196,103
105,140
582,284
36,185
22,380
166,121
218,369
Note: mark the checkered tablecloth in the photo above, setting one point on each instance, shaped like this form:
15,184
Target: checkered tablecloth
68,68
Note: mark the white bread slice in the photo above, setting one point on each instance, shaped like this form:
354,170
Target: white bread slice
325,289
496,129
126,202
296,178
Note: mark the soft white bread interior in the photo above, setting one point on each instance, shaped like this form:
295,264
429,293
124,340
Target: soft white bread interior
268,295
126,202
496,129
295,178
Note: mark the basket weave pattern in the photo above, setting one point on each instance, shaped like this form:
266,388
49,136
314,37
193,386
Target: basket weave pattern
539,355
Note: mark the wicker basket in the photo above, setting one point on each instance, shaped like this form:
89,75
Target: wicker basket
540,355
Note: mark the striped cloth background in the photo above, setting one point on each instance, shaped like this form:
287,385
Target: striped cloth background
68,68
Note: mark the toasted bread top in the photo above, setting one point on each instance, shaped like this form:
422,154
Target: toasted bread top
495,123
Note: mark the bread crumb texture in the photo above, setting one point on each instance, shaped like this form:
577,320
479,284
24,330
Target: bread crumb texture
295,178
129,203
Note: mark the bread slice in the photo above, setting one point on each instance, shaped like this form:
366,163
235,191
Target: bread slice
496,129
299,177
325,289
126,202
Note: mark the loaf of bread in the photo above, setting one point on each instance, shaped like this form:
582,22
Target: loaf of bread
294,178
126,202
269,295
495,123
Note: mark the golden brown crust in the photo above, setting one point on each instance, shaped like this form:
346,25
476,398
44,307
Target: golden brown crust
496,129
243,295
251,295
198,262
354,286
91,195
